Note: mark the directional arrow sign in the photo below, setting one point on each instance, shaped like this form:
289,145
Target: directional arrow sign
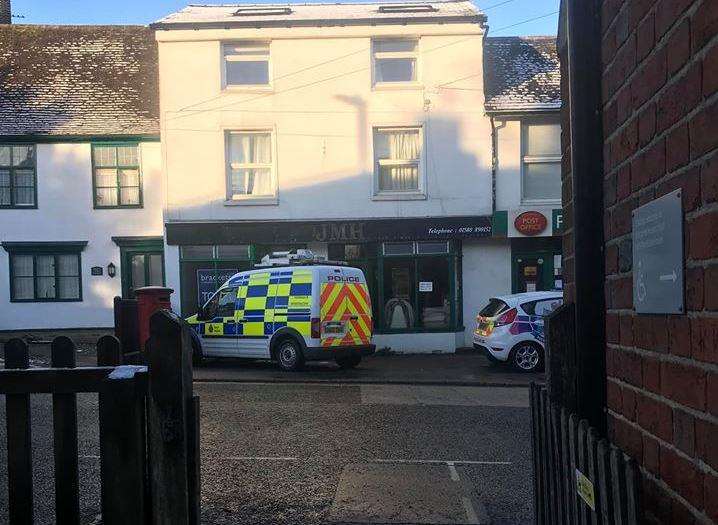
658,264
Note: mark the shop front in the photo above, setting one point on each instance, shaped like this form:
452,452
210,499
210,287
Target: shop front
413,267
536,247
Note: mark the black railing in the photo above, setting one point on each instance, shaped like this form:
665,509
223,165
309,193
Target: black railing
579,478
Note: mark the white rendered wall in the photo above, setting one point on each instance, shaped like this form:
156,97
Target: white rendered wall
65,213
427,343
322,108
486,267
508,173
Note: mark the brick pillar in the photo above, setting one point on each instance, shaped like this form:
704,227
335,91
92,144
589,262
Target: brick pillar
5,12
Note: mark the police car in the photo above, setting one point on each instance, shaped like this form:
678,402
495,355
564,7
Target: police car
291,308
511,328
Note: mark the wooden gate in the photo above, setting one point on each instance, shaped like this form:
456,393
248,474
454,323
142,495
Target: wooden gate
149,428
579,478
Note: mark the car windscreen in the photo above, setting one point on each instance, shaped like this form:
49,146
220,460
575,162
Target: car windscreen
494,308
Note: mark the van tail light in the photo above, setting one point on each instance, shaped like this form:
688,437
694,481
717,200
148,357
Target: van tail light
316,328
507,318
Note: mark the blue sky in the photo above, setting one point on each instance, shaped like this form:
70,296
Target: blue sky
503,13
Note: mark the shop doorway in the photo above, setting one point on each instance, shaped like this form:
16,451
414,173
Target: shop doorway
536,271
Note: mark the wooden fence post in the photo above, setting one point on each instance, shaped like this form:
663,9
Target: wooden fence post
64,424
169,409
123,461
19,440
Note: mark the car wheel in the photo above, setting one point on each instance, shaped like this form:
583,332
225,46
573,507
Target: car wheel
527,357
351,361
289,355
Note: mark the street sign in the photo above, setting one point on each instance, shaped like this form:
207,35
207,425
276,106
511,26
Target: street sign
658,261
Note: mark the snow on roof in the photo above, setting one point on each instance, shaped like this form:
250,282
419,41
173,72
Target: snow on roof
78,80
289,14
521,73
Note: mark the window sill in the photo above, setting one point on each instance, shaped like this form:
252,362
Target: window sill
407,196
541,202
397,86
126,207
253,201
28,207
248,89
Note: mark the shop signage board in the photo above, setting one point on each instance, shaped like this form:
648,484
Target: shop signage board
527,221
346,231
208,280
658,262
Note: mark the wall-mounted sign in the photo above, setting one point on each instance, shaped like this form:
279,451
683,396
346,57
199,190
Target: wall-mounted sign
530,223
349,231
658,256
426,286
96,270
557,221
209,280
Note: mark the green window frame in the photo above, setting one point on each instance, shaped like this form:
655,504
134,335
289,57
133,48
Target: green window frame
52,271
116,175
18,176
371,259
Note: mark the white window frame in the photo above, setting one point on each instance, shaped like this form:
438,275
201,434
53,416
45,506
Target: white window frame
239,199
248,58
404,84
418,194
536,159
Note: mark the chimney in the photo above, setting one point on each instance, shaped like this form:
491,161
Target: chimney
5,12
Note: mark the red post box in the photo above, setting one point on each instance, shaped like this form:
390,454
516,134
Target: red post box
149,300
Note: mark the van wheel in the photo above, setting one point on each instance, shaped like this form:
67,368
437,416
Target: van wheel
351,361
289,355
527,357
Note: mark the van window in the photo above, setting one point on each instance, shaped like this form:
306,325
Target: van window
221,304
494,308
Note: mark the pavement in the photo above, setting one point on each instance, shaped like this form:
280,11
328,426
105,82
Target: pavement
340,453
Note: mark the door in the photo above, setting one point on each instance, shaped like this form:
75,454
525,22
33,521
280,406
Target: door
253,329
219,324
530,274
141,268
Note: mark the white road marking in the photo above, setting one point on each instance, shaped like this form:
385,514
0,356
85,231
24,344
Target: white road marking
451,463
262,458
470,512
452,471
88,457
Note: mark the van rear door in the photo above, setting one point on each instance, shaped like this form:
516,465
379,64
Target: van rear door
345,308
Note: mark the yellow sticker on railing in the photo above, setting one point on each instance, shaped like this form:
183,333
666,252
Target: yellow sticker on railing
584,487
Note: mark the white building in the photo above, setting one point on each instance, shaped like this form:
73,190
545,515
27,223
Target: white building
81,188
523,100
357,130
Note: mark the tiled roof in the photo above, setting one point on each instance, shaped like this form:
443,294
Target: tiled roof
258,15
521,73
78,80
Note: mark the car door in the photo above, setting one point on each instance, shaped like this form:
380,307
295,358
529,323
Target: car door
219,330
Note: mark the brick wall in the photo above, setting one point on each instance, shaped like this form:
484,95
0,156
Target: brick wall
660,96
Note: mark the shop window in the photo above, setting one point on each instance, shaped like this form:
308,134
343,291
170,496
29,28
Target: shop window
398,248
41,272
250,166
541,161
395,61
426,248
397,160
116,176
246,64
18,176
434,294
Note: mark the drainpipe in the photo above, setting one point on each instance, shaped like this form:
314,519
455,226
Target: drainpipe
494,163
584,51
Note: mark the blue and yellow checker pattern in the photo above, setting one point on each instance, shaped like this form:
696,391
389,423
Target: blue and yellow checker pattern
266,302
